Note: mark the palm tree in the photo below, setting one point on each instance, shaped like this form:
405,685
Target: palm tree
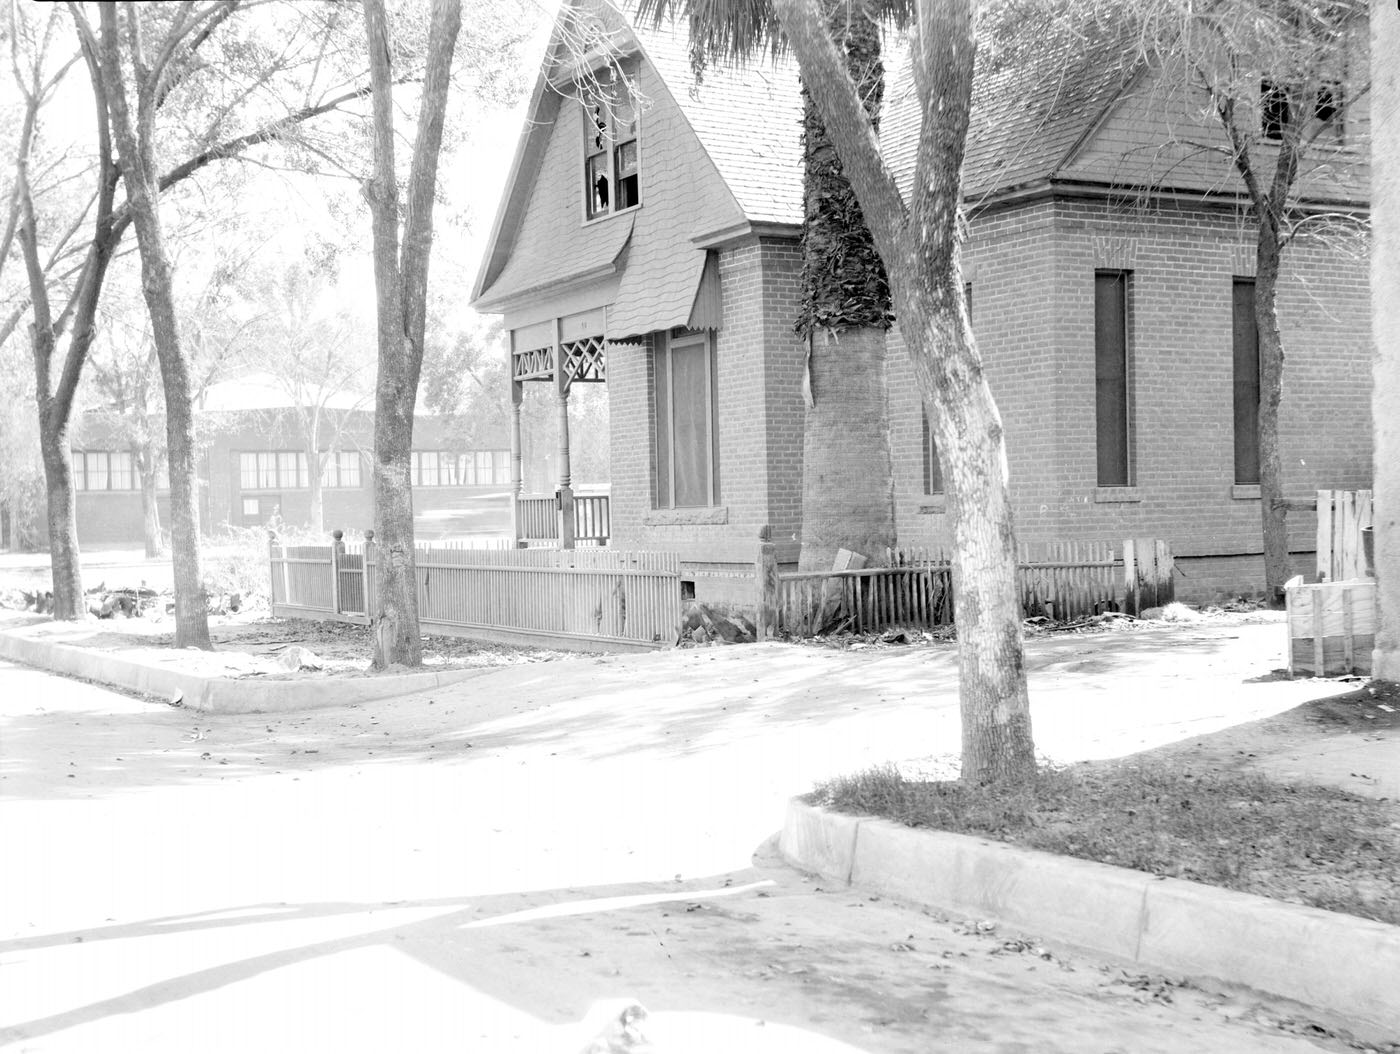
847,479
918,244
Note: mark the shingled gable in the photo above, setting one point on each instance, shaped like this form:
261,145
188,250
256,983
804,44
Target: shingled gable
719,160
1030,117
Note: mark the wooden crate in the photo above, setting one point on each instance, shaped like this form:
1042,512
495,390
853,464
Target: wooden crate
1331,626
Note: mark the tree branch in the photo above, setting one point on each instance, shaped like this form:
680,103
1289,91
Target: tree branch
214,16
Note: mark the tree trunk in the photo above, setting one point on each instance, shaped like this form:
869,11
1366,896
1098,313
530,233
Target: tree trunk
847,473
993,702
1271,505
150,511
64,558
847,481
401,289
157,287
1385,322
315,465
919,246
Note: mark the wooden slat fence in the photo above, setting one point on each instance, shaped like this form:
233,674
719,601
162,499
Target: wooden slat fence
1061,581
1342,516
578,598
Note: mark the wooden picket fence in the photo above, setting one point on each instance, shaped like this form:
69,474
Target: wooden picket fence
1061,581
583,599
1342,519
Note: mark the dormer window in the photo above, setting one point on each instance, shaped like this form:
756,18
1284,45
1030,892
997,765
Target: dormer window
611,165
1276,106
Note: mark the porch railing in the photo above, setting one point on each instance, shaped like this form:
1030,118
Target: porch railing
538,520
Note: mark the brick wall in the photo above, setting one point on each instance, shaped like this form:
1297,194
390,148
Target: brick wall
1032,271
759,375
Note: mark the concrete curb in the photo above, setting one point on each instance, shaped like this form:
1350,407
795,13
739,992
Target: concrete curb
221,695
1327,960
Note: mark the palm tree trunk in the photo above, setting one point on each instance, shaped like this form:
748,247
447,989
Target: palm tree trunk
847,472
847,481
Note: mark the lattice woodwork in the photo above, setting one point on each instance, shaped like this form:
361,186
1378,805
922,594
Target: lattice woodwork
584,360
537,364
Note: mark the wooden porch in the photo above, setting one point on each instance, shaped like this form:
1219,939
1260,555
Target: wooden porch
562,352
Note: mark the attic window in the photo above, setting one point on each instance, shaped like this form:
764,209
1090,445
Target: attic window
1276,106
611,169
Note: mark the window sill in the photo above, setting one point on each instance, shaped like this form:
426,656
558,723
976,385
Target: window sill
933,504
1245,491
717,514
611,215
1116,495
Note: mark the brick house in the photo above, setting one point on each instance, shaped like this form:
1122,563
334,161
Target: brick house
252,463
648,235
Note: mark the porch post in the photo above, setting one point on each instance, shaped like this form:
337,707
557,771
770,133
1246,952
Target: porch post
566,490
517,467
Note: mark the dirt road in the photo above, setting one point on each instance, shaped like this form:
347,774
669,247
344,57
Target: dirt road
493,866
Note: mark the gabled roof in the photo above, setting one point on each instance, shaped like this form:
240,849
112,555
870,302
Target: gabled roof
1030,116
747,120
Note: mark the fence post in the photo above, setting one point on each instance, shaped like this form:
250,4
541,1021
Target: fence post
1132,595
370,584
765,575
565,501
1324,536
1166,582
337,551
272,565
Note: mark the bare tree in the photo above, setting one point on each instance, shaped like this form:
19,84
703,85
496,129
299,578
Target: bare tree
918,242
134,132
277,90
401,288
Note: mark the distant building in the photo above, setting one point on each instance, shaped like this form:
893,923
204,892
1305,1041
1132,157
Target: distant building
253,464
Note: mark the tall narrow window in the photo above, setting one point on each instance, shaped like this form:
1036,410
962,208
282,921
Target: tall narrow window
933,471
1246,342
121,470
611,163
1111,404
96,470
1274,109
687,469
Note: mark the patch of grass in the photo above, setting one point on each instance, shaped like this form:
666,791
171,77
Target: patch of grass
1309,845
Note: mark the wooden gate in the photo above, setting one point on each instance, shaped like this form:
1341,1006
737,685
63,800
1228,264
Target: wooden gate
1343,519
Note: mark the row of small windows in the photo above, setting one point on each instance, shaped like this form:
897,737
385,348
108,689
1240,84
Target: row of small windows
288,469
110,470
440,468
